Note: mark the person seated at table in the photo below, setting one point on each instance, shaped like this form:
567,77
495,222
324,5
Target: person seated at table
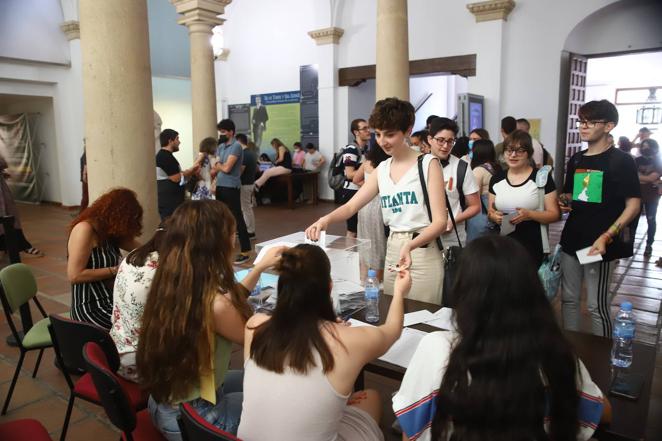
508,373
298,156
195,311
301,363
132,284
283,164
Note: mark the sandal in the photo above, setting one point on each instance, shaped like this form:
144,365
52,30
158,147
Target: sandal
33,252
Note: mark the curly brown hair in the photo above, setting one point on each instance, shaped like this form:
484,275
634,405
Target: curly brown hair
115,215
392,114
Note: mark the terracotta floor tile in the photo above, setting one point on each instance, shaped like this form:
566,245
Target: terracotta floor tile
27,390
95,428
50,412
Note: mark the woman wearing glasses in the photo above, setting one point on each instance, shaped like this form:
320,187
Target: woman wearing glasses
515,196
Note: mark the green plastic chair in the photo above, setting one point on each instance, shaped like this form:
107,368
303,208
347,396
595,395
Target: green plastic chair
18,287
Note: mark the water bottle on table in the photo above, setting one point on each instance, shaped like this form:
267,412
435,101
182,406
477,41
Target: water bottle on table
255,299
372,297
624,328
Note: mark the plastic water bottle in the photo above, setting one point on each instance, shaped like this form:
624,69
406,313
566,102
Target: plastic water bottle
372,297
624,327
255,300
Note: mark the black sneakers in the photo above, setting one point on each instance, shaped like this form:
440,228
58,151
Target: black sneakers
241,258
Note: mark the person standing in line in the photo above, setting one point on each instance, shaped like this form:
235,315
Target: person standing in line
259,121
602,185
314,159
413,230
483,166
649,167
170,178
508,126
248,172
351,157
228,182
461,189
204,186
538,149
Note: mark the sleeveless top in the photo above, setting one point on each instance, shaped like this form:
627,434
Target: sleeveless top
92,302
287,159
290,406
403,205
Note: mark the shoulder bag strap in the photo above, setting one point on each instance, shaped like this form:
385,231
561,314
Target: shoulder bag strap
461,174
426,198
545,169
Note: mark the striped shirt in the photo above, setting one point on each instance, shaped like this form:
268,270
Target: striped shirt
415,403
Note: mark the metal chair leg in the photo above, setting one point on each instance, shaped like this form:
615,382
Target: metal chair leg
36,365
13,383
67,416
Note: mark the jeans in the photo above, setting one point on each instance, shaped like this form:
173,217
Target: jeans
479,225
232,198
225,414
650,208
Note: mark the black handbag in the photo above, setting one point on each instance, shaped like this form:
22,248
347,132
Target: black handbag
451,256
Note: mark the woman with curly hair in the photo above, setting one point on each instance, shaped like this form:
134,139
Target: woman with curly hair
195,311
112,222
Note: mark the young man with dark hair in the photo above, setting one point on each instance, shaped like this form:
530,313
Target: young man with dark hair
602,195
228,181
508,126
170,178
538,149
351,157
460,185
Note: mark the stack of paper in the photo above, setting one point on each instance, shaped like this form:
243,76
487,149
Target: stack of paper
403,350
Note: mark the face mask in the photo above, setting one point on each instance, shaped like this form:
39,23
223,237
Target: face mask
223,139
471,144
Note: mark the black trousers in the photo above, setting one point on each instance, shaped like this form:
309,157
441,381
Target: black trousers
232,198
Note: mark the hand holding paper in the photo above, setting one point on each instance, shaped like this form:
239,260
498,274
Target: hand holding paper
506,226
584,257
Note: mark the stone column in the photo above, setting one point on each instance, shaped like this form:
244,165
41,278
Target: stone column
200,17
392,76
117,96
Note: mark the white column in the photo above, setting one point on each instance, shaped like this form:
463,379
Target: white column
327,56
200,17
392,68
117,94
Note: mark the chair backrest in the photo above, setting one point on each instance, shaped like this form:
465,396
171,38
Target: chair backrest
18,284
113,398
196,428
69,337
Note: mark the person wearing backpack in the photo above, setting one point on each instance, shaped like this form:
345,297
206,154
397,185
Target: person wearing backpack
461,189
351,160
603,196
483,166
521,192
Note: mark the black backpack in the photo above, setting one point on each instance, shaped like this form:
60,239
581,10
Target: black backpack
336,177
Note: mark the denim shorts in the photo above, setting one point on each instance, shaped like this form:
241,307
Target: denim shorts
225,414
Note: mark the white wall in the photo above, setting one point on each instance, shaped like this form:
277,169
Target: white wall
172,101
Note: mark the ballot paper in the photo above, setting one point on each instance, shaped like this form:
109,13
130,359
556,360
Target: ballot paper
266,248
321,242
442,319
506,226
584,258
403,349
413,318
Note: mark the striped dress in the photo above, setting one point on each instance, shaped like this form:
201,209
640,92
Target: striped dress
92,302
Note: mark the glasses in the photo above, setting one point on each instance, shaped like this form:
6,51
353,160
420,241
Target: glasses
590,124
363,129
518,151
442,141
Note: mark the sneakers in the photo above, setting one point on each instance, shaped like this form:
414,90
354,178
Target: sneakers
649,251
241,258
251,235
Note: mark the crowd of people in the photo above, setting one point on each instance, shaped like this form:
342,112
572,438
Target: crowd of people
174,307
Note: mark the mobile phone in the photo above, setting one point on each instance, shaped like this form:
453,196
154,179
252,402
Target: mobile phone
627,385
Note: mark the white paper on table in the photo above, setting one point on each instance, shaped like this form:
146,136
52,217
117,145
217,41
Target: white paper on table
413,318
321,242
403,350
506,226
266,248
442,319
584,258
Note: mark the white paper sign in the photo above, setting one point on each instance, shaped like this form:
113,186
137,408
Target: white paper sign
584,258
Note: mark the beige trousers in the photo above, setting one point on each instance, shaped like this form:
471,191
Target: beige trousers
427,271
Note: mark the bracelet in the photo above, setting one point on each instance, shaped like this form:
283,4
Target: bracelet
608,236
614,230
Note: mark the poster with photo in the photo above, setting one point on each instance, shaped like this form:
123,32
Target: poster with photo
275,115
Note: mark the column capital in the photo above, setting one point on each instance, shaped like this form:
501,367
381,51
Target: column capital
326,35
491,10
71,29
200,12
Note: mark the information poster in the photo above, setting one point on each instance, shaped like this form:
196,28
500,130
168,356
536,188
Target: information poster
275,115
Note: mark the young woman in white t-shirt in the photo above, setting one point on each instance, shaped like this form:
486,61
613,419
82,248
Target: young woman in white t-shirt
411,243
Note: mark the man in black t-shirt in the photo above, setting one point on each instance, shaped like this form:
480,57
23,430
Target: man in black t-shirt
351,157
602,195
170,178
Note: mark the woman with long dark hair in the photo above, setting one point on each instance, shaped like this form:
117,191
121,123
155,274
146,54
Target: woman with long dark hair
195,311
301,364
484,166
508,373
111,223
371,222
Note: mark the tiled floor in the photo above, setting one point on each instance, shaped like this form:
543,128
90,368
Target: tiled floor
45,397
